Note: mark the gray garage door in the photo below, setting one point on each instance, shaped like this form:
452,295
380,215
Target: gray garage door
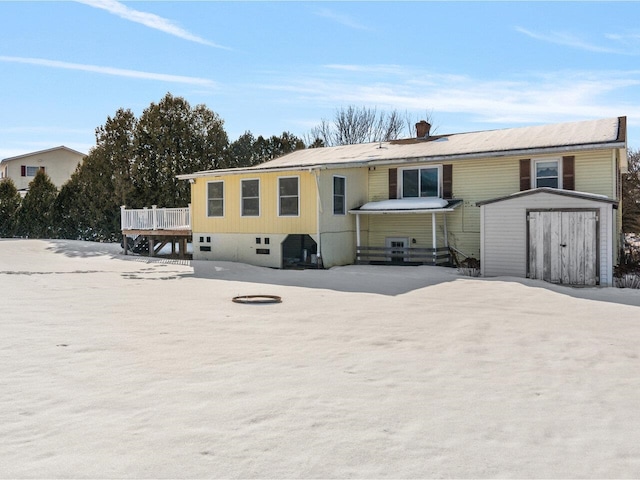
563,246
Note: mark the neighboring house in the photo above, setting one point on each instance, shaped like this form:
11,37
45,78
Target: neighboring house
58,163
415,200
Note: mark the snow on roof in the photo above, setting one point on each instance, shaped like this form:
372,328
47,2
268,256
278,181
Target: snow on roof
408,205
603,132
405,204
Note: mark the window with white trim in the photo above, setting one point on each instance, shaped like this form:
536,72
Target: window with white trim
339,195
547,173
250,201
29,171
288,196
420,182
215,199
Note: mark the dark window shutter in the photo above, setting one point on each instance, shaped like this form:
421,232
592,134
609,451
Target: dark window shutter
568,173
23,171
447,181
525,174
393,183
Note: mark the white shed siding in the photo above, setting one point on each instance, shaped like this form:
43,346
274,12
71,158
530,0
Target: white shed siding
505,240
504,233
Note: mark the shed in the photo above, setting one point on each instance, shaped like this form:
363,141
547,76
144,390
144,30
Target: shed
560,236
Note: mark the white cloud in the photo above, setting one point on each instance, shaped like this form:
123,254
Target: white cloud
568,40
529,99
150,20
341,19
203,82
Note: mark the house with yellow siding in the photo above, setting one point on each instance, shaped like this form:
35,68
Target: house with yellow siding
431,199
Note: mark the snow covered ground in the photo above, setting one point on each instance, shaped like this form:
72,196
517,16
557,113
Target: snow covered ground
129,367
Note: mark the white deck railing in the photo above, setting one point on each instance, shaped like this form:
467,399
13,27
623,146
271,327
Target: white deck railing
155,218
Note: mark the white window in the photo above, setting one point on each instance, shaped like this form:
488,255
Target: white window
339,195
288,196
420,182
29,171
215,199
547,173
250,201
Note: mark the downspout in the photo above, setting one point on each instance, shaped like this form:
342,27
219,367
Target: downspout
319,212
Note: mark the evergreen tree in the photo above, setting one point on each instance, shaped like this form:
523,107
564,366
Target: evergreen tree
9,204
171,138
67,212
115,142
35,216
241,153
285,143
247,150
88,207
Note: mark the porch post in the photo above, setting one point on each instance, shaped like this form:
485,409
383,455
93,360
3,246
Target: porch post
434,241
446,234
357,236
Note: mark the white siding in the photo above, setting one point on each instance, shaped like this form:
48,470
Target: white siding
504,233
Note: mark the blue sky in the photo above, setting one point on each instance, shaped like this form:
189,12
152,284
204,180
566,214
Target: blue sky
270,67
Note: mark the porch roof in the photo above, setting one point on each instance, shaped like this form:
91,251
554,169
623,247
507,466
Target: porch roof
407,205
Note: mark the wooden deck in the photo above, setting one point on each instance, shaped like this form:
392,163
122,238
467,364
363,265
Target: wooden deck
149,230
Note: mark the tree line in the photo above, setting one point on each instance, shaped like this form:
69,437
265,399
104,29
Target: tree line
135,162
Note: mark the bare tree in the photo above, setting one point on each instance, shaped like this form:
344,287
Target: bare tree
353,125
410,122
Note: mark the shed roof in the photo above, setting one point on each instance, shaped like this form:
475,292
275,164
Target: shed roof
555,191
603,133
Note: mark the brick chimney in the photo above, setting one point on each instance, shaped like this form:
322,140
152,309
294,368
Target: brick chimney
422,129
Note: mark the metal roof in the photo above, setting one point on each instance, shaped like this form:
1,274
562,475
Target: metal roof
554,191
603,133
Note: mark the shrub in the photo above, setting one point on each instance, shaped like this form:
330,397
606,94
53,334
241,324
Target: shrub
627,273
469,267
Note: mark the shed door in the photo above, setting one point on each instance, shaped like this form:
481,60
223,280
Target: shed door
563,246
